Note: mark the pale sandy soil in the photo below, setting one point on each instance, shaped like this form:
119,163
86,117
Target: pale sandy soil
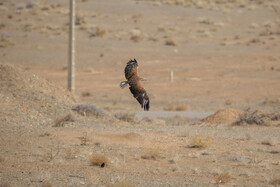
223,54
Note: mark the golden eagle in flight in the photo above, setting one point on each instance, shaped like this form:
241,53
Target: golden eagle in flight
135,84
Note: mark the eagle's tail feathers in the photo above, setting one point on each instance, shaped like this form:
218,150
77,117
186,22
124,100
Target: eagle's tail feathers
146,104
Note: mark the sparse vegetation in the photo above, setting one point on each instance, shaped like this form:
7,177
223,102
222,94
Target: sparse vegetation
87,109
258,118
47,184
70,153
150,149
275,182
99,160
123,183
86,94
5,184
136,35
151,155
97,32
60,122
175,108
170,42
137,16
222,178
5,42
84,139
201,141
128,117
269,143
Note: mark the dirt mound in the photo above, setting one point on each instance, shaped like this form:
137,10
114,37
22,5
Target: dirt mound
228,115
25,97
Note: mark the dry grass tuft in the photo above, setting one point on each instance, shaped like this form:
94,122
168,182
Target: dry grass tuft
181,108
201,141
128,117
136,35
137,16
123,183
5,42
175,108
152,154
86,94
46,184
267,142
275,182
87,109
258,118
168,108
84,139
5,184
99,160
170,42
60,122
97,32
222,178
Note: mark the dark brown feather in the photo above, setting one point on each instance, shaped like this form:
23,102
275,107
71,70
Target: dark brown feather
131,69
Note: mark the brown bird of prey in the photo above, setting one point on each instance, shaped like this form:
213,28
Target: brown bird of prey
135,84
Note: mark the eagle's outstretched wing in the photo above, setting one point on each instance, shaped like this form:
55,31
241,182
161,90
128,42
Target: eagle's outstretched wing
136,86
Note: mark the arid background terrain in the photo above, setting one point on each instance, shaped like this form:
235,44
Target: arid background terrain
225,56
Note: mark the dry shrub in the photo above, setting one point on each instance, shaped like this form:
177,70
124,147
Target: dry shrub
271,102
97,32
201,141
60,122
80,19
222,178
267,142
99,160
71,153
87,109
136,16
170,42
5,184
152,155
176,108
123,183
128,117
136,35
86,94
161,29
275,182
84,139
259,118
5,42
181,108
136,38
168,108
46,184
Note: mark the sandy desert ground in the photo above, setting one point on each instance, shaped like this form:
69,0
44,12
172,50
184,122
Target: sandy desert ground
216,124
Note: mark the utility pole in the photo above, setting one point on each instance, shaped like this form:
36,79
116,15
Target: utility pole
71,50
